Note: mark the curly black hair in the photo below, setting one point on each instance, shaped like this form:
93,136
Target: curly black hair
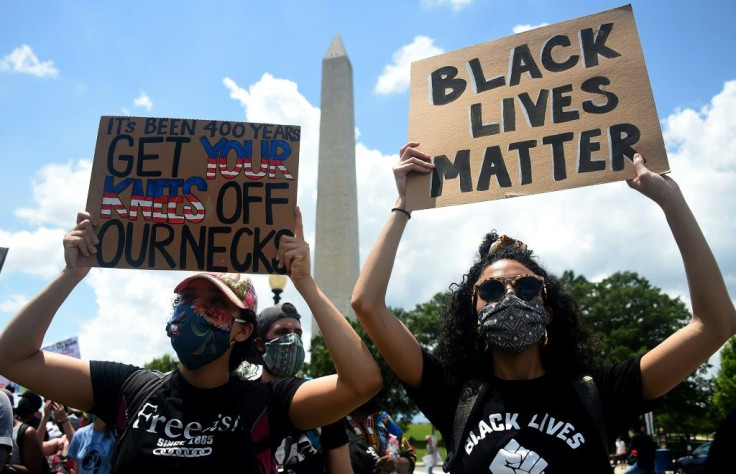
572,346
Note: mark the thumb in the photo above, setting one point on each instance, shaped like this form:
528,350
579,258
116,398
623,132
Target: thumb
640,165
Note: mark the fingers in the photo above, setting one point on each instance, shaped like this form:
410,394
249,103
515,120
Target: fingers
639,165
413,164
641,171
298,225
409,153
83,235
407,146
83,216
291,251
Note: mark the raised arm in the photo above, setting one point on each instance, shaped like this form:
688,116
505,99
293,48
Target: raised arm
56,376
324,400
714,316
394,341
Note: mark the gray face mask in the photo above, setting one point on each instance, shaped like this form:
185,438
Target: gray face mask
512,324
284,356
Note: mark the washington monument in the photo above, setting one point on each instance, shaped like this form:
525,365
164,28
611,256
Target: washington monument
336,259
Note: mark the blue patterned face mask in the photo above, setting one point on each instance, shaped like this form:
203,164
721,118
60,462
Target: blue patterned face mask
195,340
284,356
512,324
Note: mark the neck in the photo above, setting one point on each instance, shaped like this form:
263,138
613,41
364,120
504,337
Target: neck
524,366
211,375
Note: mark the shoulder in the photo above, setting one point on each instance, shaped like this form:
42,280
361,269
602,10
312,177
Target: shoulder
623,367
106,371
27,431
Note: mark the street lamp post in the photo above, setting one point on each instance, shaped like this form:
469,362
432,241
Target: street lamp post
277,282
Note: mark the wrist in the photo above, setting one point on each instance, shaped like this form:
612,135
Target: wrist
400,202
77,273
401,211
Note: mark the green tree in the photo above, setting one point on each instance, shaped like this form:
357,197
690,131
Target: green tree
165,363
421,321
631,316
724,385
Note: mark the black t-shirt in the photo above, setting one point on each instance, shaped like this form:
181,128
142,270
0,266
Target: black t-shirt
542,425
305,452
183,429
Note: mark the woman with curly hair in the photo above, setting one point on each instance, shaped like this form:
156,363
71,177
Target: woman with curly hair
512,384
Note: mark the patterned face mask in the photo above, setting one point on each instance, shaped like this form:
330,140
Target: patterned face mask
284,356
512,324
196,341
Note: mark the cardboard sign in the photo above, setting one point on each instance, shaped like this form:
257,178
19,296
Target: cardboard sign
557,107
186,194
68,347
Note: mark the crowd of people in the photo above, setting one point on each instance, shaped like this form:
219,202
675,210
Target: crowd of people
510,385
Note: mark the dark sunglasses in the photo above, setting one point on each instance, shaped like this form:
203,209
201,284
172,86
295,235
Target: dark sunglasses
526,287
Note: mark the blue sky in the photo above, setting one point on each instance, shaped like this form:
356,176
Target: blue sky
64,64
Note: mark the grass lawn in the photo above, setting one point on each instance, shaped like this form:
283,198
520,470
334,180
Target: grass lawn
416,434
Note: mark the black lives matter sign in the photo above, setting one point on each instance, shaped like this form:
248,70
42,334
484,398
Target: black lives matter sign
562,106
188,194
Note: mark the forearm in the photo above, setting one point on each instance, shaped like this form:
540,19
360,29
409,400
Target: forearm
370,289
68,428
353,362
392,338
41,430
709,296
24,334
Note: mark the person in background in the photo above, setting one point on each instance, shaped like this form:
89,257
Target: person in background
642,451
92,448
57,420
372,424
215,421
6,430
514,336
432,458
27,449
57,423
619,456
28,411
280,351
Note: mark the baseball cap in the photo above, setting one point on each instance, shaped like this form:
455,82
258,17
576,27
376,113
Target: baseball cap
237,287
272,314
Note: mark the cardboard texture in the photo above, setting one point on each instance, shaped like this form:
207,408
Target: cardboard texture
557,107
189,194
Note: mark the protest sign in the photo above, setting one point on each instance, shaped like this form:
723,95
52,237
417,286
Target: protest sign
68,347
557,107
187,194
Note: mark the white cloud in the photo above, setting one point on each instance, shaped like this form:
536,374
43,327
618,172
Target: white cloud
456,5
143,101
12,303
59,191
395,76
521,28
272,100
24,61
